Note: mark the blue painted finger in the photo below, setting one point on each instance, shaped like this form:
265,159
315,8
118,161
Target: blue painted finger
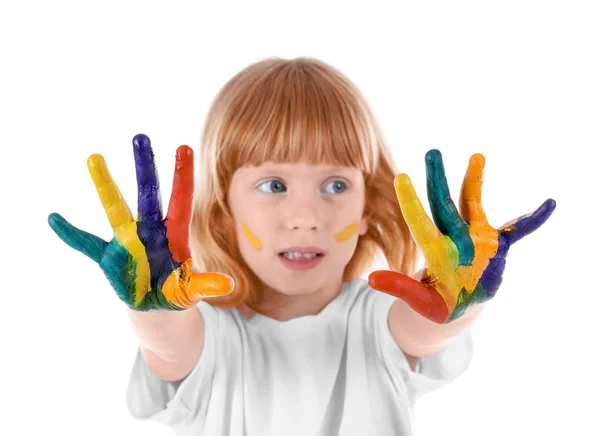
149,203
527,224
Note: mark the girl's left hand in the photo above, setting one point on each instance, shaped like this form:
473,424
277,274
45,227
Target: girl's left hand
465,256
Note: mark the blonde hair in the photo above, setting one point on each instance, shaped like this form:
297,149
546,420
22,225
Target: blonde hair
284,111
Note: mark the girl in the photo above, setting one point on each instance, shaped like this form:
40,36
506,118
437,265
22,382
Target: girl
270,329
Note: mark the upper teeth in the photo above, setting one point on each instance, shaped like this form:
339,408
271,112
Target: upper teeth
298,255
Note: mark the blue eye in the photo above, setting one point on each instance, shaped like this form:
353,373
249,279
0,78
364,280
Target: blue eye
338,187
275,185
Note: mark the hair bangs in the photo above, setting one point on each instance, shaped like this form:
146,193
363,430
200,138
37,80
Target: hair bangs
297,113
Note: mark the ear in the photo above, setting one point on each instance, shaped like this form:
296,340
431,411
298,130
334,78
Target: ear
364,226
364,221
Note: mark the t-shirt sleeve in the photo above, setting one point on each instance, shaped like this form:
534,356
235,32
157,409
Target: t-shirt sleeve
431,372
175,403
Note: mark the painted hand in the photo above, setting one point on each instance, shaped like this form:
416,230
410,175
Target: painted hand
148,261
465,256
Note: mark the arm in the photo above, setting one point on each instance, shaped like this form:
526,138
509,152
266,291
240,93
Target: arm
171,341
417,336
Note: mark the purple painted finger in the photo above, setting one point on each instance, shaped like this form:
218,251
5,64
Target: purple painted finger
492,276
529,223
149,203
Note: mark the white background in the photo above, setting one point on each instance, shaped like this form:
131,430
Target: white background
515,80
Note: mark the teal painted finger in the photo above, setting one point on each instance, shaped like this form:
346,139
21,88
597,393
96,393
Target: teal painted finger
90,245
443,210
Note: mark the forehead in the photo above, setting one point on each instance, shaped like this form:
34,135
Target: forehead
298,169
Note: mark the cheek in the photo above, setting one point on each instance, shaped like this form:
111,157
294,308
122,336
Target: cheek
253,227
250,245
347,232
348,221
251,237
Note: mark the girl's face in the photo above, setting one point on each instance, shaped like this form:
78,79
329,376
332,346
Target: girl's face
298,224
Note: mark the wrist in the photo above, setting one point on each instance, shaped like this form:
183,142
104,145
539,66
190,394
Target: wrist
159,325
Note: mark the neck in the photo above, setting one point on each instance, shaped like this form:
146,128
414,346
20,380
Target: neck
277,305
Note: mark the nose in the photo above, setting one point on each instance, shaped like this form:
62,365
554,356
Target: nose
303,214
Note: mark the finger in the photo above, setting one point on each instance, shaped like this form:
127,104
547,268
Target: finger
149,207
184,288
179,214
426,235
443,210
471,207
112,200
90,245
424,300
210,285
527,224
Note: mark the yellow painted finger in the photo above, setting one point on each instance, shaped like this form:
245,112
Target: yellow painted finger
112,200
471,208
423,229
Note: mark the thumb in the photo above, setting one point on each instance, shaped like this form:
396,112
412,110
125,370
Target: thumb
422,299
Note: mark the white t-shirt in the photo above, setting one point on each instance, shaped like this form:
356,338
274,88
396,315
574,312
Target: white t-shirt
339,372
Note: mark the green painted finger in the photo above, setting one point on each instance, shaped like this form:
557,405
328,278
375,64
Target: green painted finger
444,211
90,245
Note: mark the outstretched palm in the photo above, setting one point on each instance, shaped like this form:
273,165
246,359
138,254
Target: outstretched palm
465,256
148,261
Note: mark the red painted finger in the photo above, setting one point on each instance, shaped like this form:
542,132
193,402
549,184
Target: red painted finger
422,299
179,214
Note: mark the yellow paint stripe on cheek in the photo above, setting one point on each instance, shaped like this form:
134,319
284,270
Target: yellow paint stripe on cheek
347,232
251,237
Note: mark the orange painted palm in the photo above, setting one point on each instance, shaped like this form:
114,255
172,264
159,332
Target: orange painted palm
148,261
465,255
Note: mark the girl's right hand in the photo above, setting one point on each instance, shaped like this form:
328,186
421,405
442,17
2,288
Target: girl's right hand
148,261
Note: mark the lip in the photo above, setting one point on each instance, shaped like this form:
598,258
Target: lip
301,264
303,250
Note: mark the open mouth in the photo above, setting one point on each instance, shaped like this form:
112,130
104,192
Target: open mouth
300,261
294,255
